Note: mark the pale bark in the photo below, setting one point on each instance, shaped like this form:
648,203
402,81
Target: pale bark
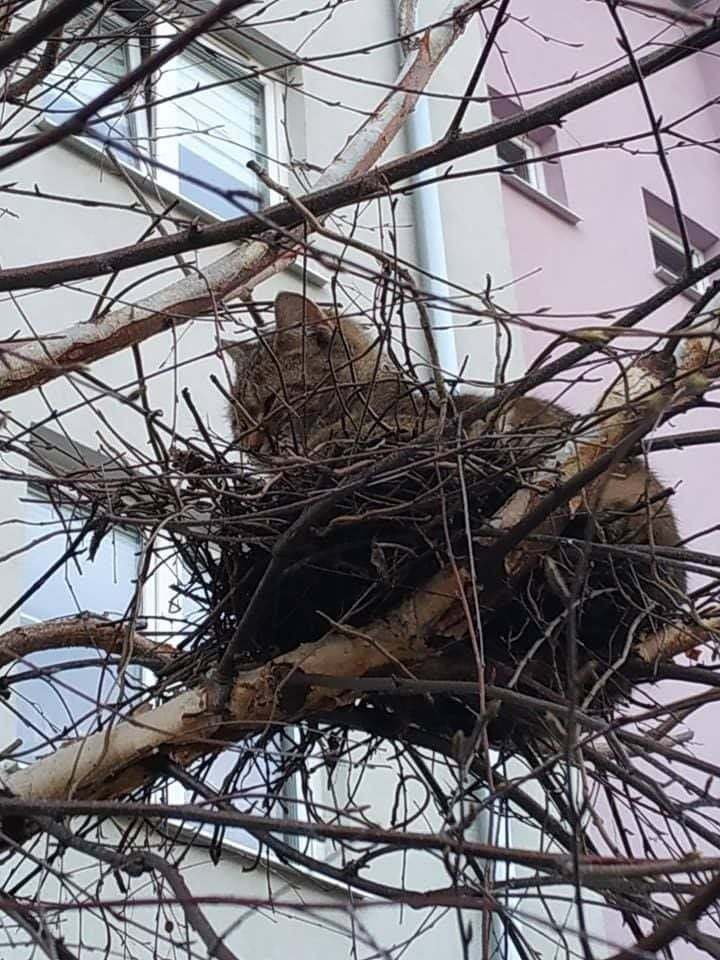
112,762
101,764
321,203
699,357
676,638
84,630
641,391
638,391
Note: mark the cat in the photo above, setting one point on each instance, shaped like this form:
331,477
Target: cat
314,379
320,378
630,499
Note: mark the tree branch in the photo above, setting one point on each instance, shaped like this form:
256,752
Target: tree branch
356,184
53,19
675,926
114,761
83,630
37,363
346,182
675,638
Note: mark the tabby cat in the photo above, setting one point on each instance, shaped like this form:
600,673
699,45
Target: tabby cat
318,379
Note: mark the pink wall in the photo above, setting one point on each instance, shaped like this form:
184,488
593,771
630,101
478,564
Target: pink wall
605,261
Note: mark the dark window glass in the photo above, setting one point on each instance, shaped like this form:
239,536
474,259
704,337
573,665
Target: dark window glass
514,153
667,255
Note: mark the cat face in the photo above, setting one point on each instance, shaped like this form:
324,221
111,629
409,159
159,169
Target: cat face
293,383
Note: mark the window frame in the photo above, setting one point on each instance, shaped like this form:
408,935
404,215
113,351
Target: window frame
664,273
139,134
291,797
147,149
162,150
32,492
536,174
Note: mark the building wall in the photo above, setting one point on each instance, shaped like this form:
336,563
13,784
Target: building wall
574,273
38,230
263,912
603,262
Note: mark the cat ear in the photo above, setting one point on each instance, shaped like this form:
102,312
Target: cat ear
293,311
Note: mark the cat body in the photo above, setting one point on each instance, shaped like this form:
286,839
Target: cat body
319,378
630,500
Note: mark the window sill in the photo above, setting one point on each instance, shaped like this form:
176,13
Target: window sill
154,190
543,199
667,277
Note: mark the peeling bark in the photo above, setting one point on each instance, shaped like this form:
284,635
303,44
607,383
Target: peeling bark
117,760
110,763
637,393
84,630
114,761
677,638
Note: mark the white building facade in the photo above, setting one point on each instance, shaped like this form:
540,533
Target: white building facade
293,111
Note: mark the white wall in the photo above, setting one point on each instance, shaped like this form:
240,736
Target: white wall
475,235
45,230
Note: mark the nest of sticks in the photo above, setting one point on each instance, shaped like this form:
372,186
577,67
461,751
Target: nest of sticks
285,553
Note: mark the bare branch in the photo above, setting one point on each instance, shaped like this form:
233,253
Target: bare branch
47,23
673,639
193,723
40,363
83,630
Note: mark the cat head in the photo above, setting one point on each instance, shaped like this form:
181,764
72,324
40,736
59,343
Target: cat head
290,383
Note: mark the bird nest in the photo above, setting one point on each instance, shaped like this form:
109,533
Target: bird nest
298,547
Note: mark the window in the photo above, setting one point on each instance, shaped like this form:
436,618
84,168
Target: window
81,686
204,116
89,69
212,124
531,166
255,776
66,701
669,256
518,152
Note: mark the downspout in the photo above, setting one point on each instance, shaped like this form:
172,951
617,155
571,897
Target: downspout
429,234
431,258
